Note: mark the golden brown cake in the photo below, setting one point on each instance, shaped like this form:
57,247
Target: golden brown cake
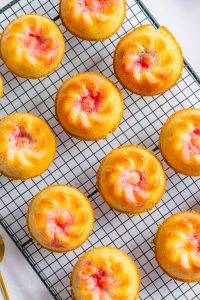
131,179
27,146
180,141
60,218
1,87
89,106
93,19
177,246
105,273
32,46
148,61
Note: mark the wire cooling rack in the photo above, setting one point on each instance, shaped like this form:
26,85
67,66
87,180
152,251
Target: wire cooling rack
76,162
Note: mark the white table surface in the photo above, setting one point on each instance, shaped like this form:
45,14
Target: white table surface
182,18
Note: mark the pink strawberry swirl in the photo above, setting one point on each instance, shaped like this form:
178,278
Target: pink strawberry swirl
95,6
133,180
98,280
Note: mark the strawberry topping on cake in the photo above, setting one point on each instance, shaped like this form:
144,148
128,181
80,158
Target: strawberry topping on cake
133,183
191,145
140,62
38,44
56,229
20,138
194,144
97,280
93,5
90,101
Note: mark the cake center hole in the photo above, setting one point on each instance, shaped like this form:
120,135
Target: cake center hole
20,138
36,43
90,102
58,226
63,219
102,279
63,222
145,60
134,178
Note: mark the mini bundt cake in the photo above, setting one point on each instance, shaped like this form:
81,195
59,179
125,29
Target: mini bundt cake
105,273
27,146
93,19
180,141
32,46
131,179
89,106
60,218
148,61
177,246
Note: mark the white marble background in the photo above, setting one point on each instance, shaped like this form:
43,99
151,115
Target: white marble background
182,18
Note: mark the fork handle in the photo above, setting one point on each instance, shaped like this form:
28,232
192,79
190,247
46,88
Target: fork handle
4,288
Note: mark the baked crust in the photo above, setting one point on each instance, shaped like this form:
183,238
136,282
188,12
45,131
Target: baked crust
32,46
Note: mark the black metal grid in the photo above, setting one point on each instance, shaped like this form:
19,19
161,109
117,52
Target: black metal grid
76,162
